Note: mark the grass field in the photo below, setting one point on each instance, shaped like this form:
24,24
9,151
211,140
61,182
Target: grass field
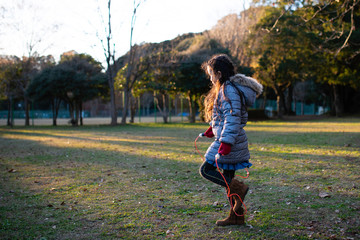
141,181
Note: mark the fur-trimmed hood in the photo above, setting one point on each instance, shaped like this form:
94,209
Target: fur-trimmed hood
247,82
250,87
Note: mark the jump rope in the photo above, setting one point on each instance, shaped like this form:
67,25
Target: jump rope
217,156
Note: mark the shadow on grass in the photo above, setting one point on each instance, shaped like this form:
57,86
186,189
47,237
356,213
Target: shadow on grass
139,190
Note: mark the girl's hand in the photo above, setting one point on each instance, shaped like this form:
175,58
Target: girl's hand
224,149
209,133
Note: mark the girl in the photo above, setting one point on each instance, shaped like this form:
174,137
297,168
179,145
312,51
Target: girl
226,109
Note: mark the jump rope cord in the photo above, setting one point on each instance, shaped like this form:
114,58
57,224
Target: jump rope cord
227,186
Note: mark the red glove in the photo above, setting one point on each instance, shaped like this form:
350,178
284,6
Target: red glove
224,149
209,133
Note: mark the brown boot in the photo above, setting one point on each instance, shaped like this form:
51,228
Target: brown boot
233,219
240,189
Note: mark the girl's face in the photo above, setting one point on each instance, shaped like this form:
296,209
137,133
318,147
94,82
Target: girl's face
213,76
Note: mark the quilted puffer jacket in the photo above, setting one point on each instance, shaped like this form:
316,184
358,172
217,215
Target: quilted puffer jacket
230,117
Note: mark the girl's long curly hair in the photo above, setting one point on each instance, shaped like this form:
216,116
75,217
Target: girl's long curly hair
218,63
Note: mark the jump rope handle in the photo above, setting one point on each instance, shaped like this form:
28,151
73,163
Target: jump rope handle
201,134
217,156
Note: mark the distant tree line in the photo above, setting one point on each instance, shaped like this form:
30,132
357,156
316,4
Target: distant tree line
300,50
75,79
314,43
309,50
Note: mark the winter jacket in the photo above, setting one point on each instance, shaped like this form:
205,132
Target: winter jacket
230,116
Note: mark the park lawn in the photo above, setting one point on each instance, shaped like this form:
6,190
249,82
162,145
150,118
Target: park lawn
141,181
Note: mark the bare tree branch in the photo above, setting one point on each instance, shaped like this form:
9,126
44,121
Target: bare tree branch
320,9
351,30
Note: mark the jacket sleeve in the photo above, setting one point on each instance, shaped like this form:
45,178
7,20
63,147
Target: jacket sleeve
232,115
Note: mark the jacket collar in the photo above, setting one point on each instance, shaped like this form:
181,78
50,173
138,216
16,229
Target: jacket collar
247,82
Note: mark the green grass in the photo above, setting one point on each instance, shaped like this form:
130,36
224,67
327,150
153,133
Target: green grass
141,181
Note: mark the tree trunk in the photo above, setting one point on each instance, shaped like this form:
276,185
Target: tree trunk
53,109
81,117
192,109
280,105
126,104
57,102
302,108
71,112
280,101
165,111
76,122
9,113
27,110
132,108
176,105
338,103
113,113
264,100
289,100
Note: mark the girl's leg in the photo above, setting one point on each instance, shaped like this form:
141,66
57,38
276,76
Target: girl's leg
229,173
210,172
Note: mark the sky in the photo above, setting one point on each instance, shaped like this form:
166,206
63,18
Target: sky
57,26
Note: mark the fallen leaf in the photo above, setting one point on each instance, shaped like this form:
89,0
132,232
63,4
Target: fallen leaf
251,217
324,195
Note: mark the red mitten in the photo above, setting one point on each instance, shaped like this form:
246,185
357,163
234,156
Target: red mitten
224,149
209,133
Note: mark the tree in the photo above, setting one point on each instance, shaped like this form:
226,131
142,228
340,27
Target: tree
109,52
19,17
162,81
48,86
333,27
86,82
9,72
139,79
172,66
282,54
233,30
29,67
131,66
192,82
75,79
